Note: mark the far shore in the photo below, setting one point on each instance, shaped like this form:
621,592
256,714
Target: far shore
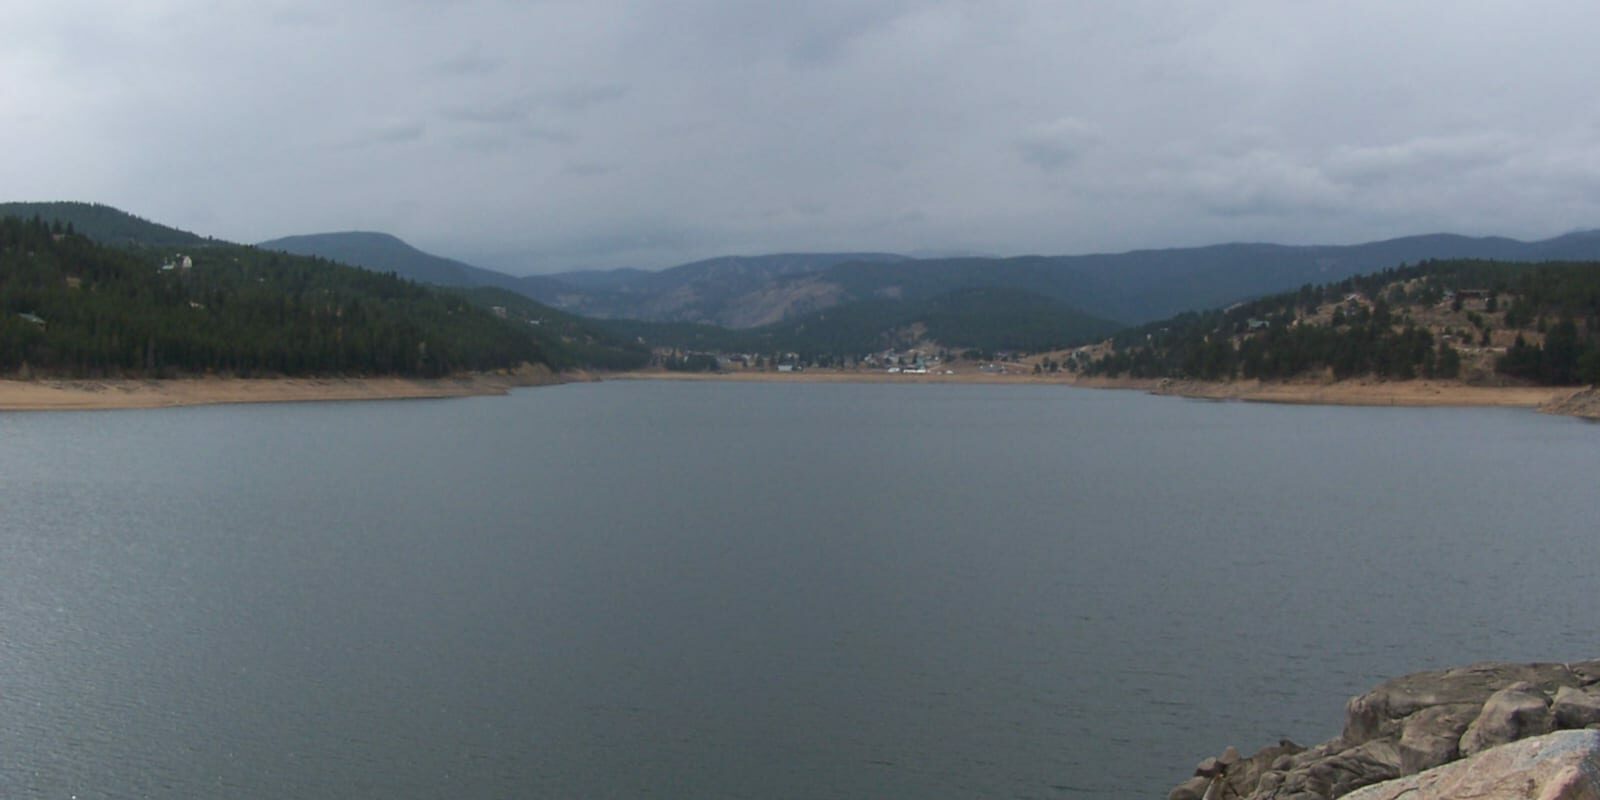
1567,400
46,394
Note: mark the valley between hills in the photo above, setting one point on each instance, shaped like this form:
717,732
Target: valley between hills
105,309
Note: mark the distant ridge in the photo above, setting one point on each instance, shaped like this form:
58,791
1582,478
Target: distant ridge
380,252
717,291
103,223
1131,288
375,315
801,296
1145,285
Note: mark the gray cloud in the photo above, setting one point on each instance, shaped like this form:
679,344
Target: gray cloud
1431,157
468,63
503,113
391,133
624,133
1055,144
586,170
582,97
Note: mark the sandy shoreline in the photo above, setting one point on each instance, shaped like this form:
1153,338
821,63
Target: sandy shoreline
88,395
73,395
1416,393
1349,393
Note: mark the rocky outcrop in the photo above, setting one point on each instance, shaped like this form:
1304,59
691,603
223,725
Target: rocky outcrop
1409,726
1584,403
1557,766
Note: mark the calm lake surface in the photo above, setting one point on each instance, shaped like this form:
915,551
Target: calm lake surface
764,591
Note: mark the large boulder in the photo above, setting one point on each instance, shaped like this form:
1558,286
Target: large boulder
1555,766
1518,711
1576,709
1432,736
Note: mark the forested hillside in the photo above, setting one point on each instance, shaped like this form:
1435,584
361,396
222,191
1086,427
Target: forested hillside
568,340
843,303
103,223
1480,321
72,307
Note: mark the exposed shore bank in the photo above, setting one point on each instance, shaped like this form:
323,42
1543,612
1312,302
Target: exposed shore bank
49,394
88,395
1551,399
1578,402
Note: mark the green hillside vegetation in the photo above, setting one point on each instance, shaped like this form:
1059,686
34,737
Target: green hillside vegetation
568,340
1146,285
72,307
830,303
103,224
1479,321
1133,287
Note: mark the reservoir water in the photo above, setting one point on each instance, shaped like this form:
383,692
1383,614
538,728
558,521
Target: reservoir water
754,591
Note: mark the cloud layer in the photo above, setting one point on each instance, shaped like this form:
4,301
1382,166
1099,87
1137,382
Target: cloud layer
540,136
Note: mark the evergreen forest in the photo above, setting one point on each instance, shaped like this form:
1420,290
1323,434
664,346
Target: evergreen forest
1537,323
72,307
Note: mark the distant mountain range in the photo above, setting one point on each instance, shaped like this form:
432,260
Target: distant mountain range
860,301
731,291
1127,288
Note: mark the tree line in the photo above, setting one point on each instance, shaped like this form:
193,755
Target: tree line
71,307
1555,308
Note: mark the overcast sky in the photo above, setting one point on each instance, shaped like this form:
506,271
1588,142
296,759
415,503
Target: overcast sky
540,136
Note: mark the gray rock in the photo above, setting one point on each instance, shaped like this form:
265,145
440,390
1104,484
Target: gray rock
1363,765
1381,712
1432,736
1269,782
1518,711
1575,709
1192,789
1556,766
1246,775
1229,757
1410,724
